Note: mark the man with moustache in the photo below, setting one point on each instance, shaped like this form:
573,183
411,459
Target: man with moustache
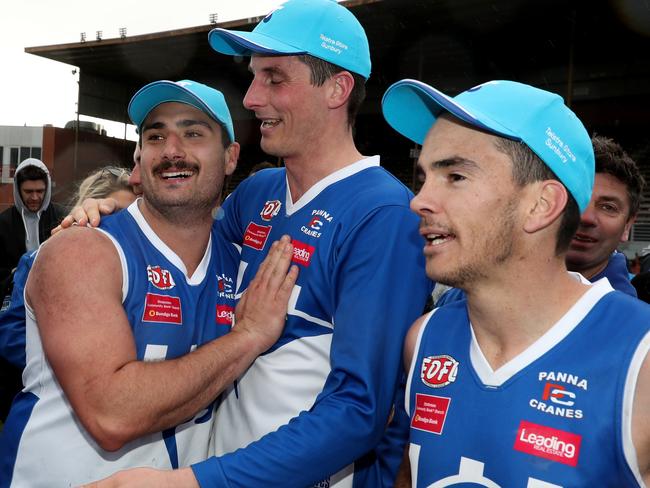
127,327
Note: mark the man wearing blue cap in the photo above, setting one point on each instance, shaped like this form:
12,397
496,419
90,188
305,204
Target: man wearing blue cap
313,409
114,376
539,378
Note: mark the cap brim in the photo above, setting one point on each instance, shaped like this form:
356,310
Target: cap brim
245,43
411,108
153,94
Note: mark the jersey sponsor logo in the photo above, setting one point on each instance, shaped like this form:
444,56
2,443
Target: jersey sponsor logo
160,278
430,413
225,314
224,284
256,235
302,253
438,371
315,225
548,443
162,309
270,209
559,394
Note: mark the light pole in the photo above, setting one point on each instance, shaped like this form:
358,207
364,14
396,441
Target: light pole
76,128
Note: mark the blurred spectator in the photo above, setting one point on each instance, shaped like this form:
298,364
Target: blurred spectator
259,166
29,222
641,284
607,221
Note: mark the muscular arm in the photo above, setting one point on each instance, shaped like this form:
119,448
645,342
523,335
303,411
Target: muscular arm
75,292
403,479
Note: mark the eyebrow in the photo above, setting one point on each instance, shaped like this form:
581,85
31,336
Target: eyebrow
610,198
455,161
267,69
181,124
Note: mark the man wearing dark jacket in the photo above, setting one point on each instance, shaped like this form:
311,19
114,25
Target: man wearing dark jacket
29,222
22,228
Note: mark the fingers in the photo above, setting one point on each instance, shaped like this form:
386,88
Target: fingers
93,209
279,257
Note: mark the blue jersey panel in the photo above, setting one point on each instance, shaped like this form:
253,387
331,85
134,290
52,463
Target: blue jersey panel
321,397
557,422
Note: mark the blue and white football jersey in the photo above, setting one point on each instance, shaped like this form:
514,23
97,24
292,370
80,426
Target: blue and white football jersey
44,444
557,415
317,403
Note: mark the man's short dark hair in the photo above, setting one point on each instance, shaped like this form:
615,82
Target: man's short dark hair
322,70
613,160
528,168
31,173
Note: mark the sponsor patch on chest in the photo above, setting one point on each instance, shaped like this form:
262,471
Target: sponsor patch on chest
430,413
225,314
548,443
256,235
302,253
559,394
162,309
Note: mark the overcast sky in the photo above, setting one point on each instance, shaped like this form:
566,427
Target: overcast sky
36,91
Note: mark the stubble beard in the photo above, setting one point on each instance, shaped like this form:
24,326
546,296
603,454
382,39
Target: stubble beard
497,248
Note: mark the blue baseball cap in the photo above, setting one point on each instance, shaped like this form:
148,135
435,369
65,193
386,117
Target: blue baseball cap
198,95
321,28
538,118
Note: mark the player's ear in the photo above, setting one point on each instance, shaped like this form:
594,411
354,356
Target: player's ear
341,85
231,156
548,199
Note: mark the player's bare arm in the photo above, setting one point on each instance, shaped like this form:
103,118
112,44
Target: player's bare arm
641,421
148,478
75,292
403,479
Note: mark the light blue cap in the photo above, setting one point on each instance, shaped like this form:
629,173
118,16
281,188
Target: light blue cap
538,118
321,28
198,95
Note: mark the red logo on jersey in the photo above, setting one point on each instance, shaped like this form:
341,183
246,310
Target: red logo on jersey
438,371
162,308
430,413
256,235
315,223
270,210
302,253
160,278
548,443
225,314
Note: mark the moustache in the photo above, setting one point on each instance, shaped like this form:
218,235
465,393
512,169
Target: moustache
177,165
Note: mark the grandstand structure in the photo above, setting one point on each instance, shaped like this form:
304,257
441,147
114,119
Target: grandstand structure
594,54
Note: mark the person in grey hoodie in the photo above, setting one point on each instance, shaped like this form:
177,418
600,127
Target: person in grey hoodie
29,222
22,228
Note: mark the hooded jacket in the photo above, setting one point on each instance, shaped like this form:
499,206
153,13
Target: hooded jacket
21,229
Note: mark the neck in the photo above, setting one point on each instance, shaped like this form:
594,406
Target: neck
318,161
592,271
187,237
515,307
